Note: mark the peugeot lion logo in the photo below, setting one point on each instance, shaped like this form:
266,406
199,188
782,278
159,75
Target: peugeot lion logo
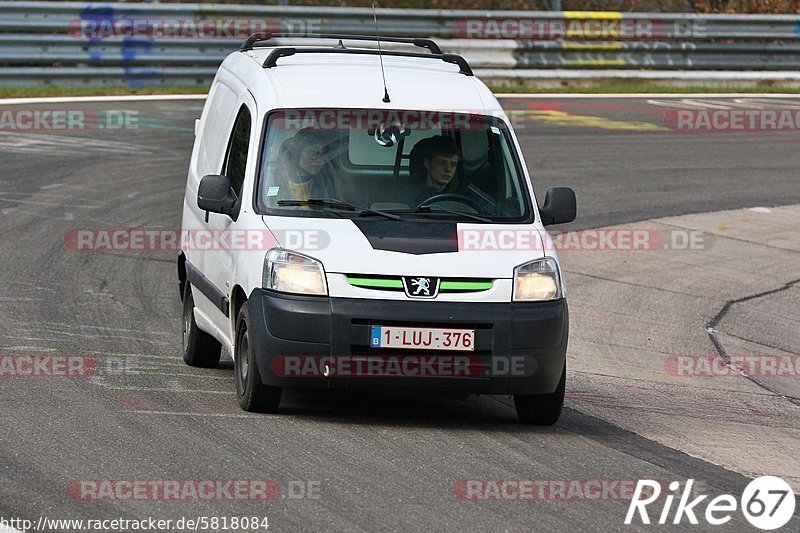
422,287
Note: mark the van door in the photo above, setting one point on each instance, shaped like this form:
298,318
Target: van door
230,236
207,158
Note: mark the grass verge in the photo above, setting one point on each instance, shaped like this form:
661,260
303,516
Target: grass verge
606,87
34,92
630,87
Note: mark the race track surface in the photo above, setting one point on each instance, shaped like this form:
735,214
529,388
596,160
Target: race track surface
361,462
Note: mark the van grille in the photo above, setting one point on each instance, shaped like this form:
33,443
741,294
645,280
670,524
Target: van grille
395,283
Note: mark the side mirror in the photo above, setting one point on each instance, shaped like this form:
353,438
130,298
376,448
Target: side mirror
215,195
560,206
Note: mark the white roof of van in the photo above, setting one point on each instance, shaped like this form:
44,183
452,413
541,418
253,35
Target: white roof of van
355,81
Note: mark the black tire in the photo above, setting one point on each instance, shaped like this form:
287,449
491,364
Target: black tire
542,409
253,395
199,348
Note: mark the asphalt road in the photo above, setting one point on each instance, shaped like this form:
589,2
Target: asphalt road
629,160
367,462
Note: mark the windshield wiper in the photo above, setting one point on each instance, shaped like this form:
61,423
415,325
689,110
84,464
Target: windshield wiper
424,209
332,203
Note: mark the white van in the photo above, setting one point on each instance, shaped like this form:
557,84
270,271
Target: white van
363,219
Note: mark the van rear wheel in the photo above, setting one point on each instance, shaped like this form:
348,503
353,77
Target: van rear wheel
253,395
542,409
199,348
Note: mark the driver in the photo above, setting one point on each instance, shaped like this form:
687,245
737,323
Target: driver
432,165
441,161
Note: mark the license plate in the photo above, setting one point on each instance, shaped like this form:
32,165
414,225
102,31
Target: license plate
423,338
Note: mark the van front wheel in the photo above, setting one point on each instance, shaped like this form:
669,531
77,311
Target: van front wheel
253,395
199,348
542,409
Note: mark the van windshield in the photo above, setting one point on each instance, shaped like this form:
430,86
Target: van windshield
409,163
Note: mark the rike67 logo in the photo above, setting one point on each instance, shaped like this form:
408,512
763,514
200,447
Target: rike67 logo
767,503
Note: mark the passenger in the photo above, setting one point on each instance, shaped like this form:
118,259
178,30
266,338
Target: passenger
304,157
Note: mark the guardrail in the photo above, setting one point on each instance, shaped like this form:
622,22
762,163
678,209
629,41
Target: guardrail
75,43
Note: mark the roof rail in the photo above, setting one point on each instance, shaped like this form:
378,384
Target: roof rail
256,38
272,59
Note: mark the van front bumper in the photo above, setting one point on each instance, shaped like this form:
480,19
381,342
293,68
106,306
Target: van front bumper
521,346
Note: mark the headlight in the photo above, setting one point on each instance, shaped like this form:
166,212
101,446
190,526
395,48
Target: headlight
538,280
286,271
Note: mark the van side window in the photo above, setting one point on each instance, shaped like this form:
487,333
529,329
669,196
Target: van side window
477,161
236,157
219,108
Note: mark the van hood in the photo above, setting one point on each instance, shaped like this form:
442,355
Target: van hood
380,246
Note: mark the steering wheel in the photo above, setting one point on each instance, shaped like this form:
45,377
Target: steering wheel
448,196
